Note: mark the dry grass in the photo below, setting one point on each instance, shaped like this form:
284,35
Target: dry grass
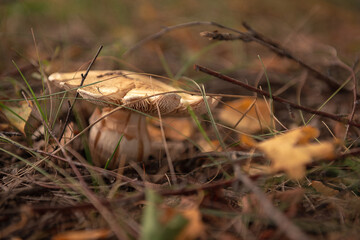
51,189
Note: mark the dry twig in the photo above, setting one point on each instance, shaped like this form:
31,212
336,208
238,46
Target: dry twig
278,99
253,36
71,106
250,36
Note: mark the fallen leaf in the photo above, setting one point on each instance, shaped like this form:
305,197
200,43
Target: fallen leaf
25,216
195,228
181,221
248,115
288,201
206,146
247,141
4,127
254,169
187,208
83,235
17,115
321,188
291,151
339,130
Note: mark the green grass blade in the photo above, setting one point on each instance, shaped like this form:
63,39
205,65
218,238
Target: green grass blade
10,110
150,223
198,124
272,124
212,120
332,95
32,93
58,110
27,162
192,60
165,64
113,154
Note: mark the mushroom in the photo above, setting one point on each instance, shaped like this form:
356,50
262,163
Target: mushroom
139,95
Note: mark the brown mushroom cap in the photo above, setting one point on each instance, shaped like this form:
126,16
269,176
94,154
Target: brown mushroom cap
133,90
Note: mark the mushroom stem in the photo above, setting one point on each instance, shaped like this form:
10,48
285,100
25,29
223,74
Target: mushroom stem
104,136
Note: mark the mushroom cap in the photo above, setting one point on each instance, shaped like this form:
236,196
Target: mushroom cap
134,90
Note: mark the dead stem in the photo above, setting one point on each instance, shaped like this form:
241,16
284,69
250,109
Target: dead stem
253,36
10,134
278,99
250,36
123,201
83,76
355,96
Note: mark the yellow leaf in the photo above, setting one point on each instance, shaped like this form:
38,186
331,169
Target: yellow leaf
257,169
257,115
247,141
18,115
291,151
195,228
321,188
83,235
213,145
189,209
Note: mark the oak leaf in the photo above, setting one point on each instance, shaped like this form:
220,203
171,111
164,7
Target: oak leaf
248,115
83,234
291,151
324,190
17,115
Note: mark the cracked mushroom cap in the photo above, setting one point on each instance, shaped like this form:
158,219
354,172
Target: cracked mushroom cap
132,90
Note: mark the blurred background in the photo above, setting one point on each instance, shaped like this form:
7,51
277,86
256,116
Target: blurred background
66,35
42,37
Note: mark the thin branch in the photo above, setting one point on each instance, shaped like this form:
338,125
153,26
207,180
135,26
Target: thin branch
125,201
23,68
77,94
353,152
10,134
355,96
253,36
162,32
165,30
278,99
216,35
168,156
250,36
103,171
281,51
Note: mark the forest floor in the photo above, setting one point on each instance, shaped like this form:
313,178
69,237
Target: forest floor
277,158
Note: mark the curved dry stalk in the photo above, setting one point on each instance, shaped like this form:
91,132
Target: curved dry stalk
278,99
83,77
